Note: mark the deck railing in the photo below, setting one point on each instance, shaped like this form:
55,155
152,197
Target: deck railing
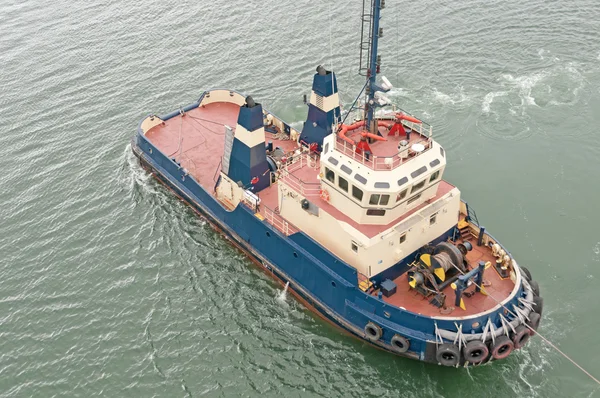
364,282
278,222
389,162
380,162
295,183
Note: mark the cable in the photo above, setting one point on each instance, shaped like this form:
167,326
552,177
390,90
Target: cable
179,139
536,332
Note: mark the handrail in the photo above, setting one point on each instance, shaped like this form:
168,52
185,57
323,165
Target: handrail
217,170
295,183
471,215
278,222
379,162
270,216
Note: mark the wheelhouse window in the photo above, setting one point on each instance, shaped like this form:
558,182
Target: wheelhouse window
357,193
417,186
403,238
379,199
401,195
330,175
343,183
434,176
375,212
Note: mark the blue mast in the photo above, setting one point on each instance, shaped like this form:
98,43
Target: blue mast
373,65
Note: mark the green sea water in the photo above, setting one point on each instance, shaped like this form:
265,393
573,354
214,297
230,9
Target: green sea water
109,286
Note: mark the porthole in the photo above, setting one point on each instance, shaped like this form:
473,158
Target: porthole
183,178
386,314
295,254
333,283
150,151
268,234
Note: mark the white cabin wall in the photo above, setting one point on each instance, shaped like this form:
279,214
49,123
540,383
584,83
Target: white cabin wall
379,252
390,250
339,164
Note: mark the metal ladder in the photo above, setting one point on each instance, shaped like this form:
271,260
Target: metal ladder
227,151
366,32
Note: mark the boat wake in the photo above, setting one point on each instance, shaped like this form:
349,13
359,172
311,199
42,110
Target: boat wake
556,86
282,296
132,175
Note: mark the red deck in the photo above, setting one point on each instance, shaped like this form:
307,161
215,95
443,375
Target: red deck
498,290
202,138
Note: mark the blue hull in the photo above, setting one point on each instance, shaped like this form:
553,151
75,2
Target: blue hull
316,277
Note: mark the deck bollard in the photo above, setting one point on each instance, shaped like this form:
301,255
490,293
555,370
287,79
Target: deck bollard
481,234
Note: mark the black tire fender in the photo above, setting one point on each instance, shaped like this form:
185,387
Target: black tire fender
400,344
502,348
476,351
538,304
526,274
534,322
520,336
373,332
535,288
448,355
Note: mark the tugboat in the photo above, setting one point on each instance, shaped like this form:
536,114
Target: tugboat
352,212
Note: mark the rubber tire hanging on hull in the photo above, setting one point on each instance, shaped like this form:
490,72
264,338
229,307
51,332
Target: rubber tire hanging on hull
400,344
538,303
503,347
448,355
534,322
476,351
521,336
526,273
373,332
535,288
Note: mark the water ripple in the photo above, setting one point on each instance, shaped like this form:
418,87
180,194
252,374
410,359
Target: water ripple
111,286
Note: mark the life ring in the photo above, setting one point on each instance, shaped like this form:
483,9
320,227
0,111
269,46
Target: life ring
538,304
520,336
373,332
525,272
535,288
324,195
400,344
448,355
502,347
534,322
476,351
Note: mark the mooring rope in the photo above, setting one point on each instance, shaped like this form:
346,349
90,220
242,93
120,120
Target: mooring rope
537,333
